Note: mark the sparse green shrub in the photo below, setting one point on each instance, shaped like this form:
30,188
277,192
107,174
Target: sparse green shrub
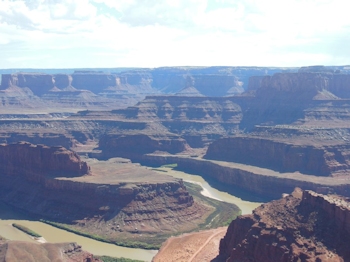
26,230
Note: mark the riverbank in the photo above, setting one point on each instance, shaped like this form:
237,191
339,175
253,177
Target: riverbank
219,214
53,234
250,182
9,215
208,190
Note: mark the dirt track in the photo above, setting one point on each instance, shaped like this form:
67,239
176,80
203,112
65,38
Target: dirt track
195,247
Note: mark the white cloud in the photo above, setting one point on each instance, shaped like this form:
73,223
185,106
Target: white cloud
110,33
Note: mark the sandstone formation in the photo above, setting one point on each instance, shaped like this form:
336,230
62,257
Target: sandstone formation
255,181
284,156
303,226
32,252
198,120
132,146
289,122
116,201
89,89
36,161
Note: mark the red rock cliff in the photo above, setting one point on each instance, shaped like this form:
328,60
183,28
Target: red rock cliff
282,156
35,161
303,226
34,179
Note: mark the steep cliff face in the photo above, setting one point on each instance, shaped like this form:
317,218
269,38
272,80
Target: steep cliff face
39,84
306,84
46,138
303,226
255,83
131,145
261,182
35,161
199,120
283,156
95,82
286,98
188,108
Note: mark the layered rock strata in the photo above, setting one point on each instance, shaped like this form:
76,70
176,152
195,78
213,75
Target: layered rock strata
303,226
284,156
123,197
257,181
110,90
198,120
35,161
132,146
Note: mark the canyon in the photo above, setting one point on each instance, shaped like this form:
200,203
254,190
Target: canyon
113,199
262,131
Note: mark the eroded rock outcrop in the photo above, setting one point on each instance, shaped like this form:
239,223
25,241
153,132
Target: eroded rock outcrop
26,251
132,146
34,161
305,85
256,181
285,98
198,120
283,156
116,199
303,226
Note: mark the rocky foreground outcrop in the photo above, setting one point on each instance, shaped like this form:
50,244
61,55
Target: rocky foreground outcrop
303,226
32,252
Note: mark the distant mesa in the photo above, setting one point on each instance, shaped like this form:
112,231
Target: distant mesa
189,91
96,89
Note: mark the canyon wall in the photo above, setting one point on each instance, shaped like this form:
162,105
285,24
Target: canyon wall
134,145
35,161
46,138
306,84
282,156
287,98
210,81
198,120
47,181
302,226
256,181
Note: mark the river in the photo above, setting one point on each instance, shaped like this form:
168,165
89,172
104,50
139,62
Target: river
209,191
52,234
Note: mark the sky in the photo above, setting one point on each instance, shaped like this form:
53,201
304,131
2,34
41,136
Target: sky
155,33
